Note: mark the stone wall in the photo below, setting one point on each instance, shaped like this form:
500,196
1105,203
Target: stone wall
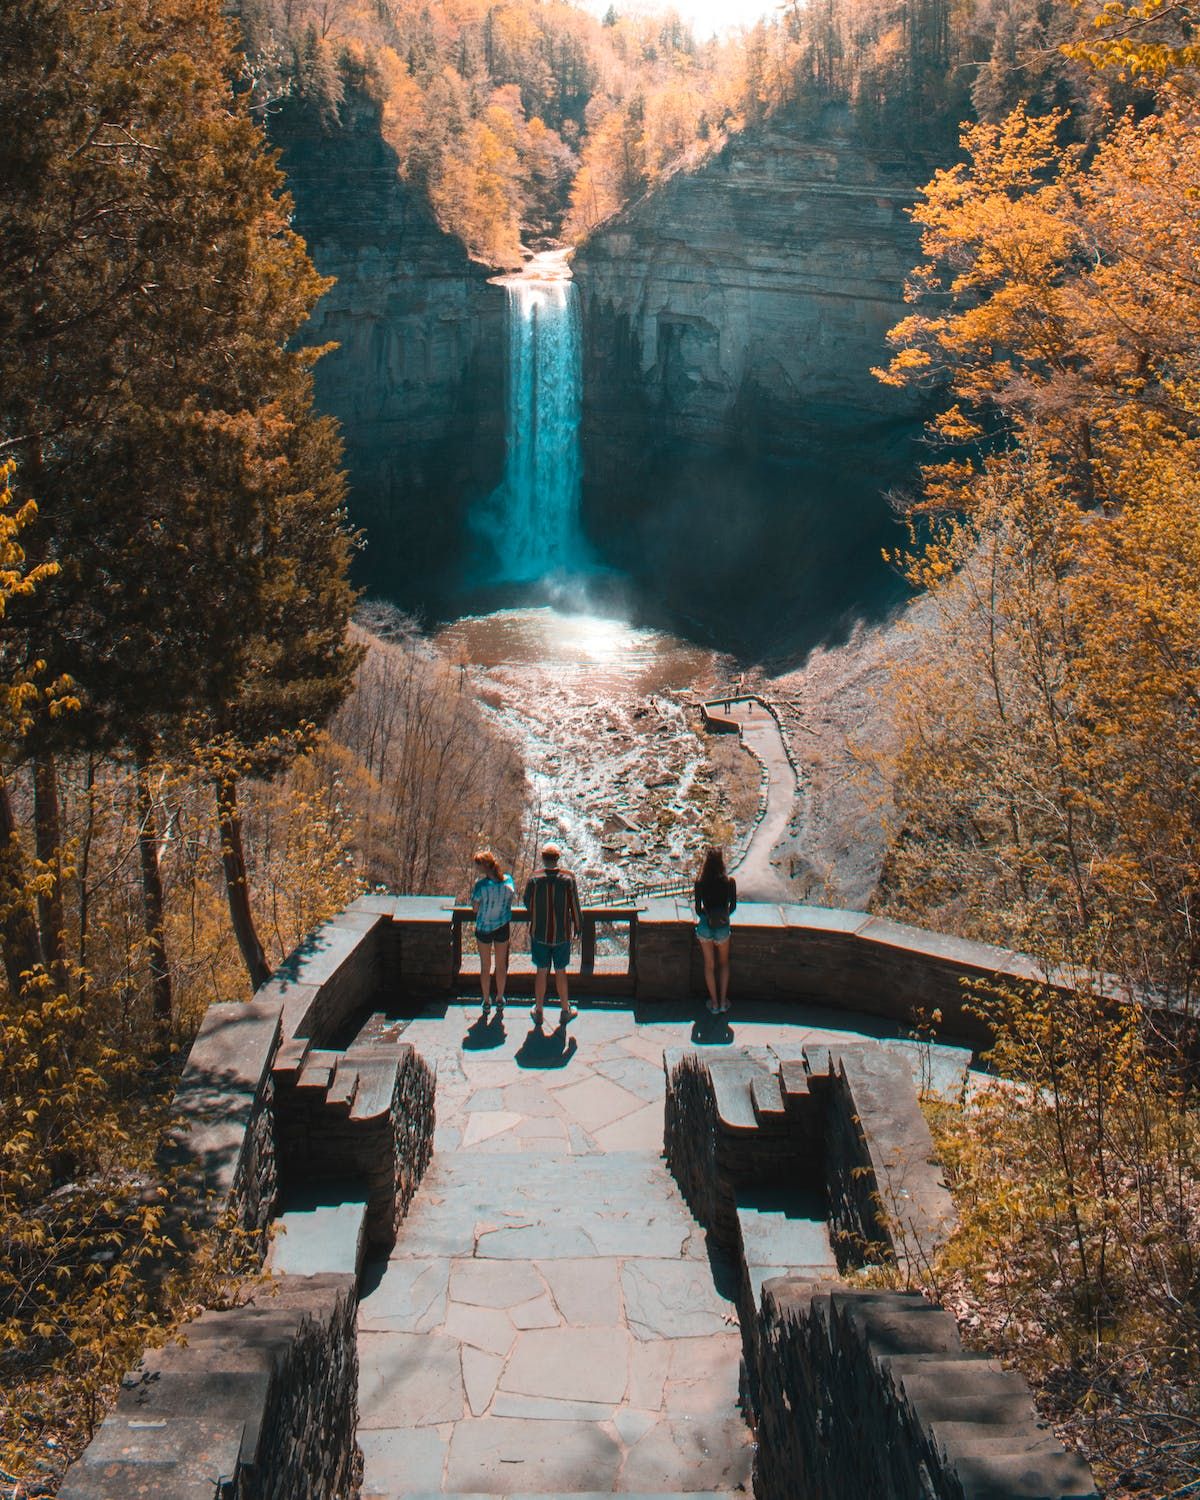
397,950
843,959
869,1394
364,1118
854,1392
261,1400
261,1403
323,985
690,1135
887,1200
222,1146
843,1123
347,1112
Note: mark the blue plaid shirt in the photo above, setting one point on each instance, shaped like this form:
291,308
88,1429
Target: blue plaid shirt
492,900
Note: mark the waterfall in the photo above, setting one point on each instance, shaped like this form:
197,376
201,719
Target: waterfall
534,515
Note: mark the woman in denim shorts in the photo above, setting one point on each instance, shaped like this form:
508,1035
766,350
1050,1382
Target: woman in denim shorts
716,898
492,897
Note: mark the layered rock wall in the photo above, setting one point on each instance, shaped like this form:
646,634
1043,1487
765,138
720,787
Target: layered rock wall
747,302
732,320
417,380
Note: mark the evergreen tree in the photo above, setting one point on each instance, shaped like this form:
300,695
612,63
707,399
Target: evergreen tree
149,288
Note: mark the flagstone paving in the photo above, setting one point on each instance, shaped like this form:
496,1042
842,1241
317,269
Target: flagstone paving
549,1321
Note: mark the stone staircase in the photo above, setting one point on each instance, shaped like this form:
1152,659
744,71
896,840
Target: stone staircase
353,1116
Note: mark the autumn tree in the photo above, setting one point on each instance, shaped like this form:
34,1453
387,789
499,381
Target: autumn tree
490,106
298,663
151,286
1067,290
1044,776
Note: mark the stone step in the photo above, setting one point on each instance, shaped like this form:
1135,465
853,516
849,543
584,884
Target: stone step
343,1089
732,1078
784,1234
818,1060
794,1080
322,1230
318,1069
769,1105
290,1059
969,1388
376,1083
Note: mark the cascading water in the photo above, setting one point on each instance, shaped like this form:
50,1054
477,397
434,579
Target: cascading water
533,518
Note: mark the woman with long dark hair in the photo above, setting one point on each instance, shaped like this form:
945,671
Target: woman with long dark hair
716,897
492,897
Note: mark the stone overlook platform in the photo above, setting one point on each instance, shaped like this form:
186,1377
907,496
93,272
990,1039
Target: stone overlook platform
550,1318
621,1258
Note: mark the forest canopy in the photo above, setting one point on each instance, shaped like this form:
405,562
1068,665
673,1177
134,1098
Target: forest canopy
532,119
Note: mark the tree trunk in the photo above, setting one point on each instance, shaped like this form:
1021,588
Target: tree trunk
237,887
85,868
18,930
152,898
48,843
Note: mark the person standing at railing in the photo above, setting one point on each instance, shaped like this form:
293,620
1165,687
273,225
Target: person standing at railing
555,916
492,896
715,895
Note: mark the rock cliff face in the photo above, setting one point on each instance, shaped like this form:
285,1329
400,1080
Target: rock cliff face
418,378
735,442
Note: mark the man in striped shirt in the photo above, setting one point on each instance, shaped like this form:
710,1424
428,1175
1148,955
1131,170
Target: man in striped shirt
555,916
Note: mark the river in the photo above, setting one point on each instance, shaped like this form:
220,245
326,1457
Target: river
619,771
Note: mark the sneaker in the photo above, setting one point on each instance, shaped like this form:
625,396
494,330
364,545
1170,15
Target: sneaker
535,1016
567,1015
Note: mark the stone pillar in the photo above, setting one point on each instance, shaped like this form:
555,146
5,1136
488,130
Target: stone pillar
664,952
426,948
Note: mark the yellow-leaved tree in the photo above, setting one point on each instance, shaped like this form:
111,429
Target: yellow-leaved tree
75,1222
1045,785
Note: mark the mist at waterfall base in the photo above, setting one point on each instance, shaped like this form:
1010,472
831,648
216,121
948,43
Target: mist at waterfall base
761,558
764,557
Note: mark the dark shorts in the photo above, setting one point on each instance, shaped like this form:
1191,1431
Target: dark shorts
550,955
497,934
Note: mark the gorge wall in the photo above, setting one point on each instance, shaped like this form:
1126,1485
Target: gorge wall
417,380
735,445
733,432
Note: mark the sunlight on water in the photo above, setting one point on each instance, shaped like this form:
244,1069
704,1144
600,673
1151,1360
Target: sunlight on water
610,654
599,709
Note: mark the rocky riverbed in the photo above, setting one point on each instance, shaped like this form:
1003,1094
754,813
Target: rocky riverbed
621,773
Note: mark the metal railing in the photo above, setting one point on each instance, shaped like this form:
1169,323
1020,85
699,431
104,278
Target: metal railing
594,914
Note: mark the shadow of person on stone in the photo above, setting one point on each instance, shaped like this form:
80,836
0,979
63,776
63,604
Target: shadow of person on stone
484,1033
546,1049
711,1031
